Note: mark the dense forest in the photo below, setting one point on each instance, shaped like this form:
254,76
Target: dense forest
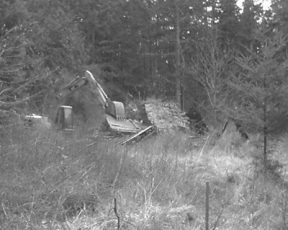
213,56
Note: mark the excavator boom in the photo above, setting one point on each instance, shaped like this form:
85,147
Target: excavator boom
71,88
113,108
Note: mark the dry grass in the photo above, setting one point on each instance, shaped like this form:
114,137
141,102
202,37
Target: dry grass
52,181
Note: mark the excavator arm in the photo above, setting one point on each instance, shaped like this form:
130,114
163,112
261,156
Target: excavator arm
71,88
113,108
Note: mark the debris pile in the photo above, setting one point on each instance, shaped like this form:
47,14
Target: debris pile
166,116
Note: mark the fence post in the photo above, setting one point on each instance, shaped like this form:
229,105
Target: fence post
207,207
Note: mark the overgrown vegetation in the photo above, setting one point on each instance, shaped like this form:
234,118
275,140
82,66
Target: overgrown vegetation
52,181
209,57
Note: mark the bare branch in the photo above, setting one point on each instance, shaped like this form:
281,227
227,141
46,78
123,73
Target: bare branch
5,90
9,105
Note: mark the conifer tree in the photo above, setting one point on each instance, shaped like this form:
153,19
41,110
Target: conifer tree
260,88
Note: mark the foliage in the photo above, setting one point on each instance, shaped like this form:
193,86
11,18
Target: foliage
36,39
228,16
280,19
261,101
249,21
262,84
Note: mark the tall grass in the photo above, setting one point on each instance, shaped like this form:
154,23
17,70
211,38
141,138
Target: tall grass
53,181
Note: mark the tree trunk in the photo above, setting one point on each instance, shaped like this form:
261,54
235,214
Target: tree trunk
178,81
265,128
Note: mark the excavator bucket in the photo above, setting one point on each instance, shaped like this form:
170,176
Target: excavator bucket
138,130
124,126
116,109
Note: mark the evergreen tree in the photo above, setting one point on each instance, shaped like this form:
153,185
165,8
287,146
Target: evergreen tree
37,38
260,89
228,25
280,15
249,21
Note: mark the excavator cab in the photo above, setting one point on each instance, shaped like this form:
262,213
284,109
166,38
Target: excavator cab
64,118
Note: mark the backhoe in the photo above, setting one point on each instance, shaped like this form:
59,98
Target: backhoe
115,115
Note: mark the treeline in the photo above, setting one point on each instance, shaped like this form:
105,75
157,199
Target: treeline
222,60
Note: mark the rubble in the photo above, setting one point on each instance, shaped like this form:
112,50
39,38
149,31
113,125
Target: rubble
166,116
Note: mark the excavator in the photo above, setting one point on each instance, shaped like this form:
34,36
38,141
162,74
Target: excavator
115,115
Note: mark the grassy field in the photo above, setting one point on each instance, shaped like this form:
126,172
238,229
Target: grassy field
52,181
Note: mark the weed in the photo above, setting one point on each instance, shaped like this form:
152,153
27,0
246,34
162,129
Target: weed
51,181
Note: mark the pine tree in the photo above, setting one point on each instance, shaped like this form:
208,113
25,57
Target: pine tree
249,21
260,89
228,26
280,16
